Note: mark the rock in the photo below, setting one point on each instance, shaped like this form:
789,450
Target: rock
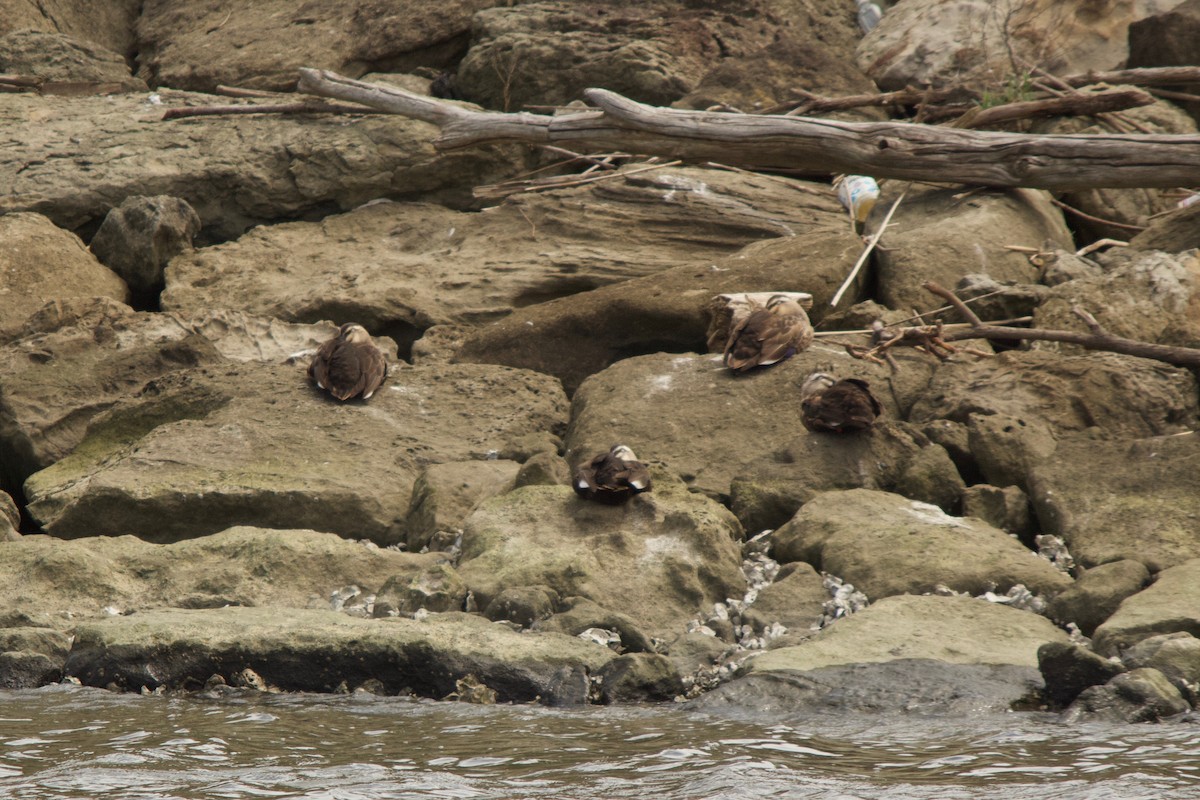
639,677
1147,296
1097,593
661,558
707,424
581,614
435,588
1069,668
1006,509
927,654
1168,39
795,600
1140,695
887,545
991,299
79,357
311,650
68,64
1016,404
936,236
1175,655
110,24
40,262
10,519
263,47
400,268
580,335
1061,266
59,582
544,469
1173,233
446,494
933,42
199,450
1169,605
1122,499
695,651
139,237
892,457
21,669
655,52
235,171
524,605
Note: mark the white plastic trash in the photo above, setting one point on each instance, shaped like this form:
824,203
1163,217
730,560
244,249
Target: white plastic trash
858,193
868,15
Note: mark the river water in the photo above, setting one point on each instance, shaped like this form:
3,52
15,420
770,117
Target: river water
71,742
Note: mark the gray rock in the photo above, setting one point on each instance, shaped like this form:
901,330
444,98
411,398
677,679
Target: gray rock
660,558
22,669
1176,655
796,600
1140,695
1061,266
1170,604
435,588
61,59
308,650
1068,669
40,262
1097,593
524,605
10,519
580,614
139,237
639,677
446,494
695,651
1167,38
207,448
110,25
887,545
50,582
935,237
1006,509
544,469
709,425
990,299
1098,496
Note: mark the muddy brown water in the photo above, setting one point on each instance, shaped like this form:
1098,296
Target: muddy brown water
70,742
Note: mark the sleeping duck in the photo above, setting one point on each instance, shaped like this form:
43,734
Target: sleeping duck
833,406
768,334
612,477
349,364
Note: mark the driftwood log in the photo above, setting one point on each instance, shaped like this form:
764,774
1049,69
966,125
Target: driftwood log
881,149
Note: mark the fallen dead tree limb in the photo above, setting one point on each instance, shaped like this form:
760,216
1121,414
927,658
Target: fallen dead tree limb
880,149
1144,76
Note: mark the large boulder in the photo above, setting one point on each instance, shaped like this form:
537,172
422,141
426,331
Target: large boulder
1140,695
1122,499
1171,604
199,450
235,171
77,358
886,545
41,262
1172,233
317,651
400,268
446,494
939,236
64,582
1168,39
262,46
662,558
65,63
139,237
1097,593
109,24
708,424
31,656
920,42
904,653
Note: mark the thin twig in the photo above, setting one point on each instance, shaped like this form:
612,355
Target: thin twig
1096,245
867,250
1097,220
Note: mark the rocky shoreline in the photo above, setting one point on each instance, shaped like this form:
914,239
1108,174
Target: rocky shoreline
183,510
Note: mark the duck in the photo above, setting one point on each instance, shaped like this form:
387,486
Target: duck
768,334
837,406
349,365
612,477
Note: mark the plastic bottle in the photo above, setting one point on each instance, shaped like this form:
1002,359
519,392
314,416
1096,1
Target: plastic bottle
868,15
858,193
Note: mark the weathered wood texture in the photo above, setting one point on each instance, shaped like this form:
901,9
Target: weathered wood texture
880,149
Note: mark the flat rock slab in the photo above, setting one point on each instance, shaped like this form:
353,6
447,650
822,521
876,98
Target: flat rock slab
79,357
707,423
1123,499
66,581
200,450
1169,605
316,651
888,545
413,264
73,159
662,558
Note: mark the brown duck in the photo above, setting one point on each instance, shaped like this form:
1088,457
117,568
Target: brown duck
768,334
349,365
831,406
612,477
